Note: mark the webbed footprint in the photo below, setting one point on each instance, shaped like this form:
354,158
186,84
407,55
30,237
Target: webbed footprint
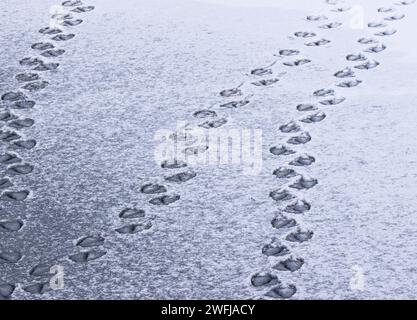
301,139
181,177
11,225
289,264
282,292
275,249
314,118
303,160
10,256
164,200
281,195
299,236
264,279
304,183
134,228
86,256
282,222
298,207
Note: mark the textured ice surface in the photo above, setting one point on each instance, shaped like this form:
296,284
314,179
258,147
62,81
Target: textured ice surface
132,70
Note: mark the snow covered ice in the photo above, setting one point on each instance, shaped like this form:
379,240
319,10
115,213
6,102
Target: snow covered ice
318,98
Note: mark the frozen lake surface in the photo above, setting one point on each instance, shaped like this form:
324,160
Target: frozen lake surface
329,209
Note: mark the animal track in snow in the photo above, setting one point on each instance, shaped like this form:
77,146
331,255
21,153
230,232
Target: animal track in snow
367,40
5,183
38,288
41,270
18,169
72,3
341,9
6,290
11,225
35,86
50,31
10,256
275,249
303,160
195,150
25,144
63,37
205,114
24,77
297,63
306,107
282,222
90,241
281,150
384,33
282,292
213,123
349,84
318,43
131,213
314,118
71,23
83,9
324,92
15,195
8,136
304,183
42,46
7,116
152,188
86,256
173,164
289,264
231,92
395,17
345,73
13,96
181,177
405,2
385,9
29,62
368,65
235,104
331,25
290,127
164,200
24,104
281,195
355,57
376,49
303,34
46,66
298,207
21,123
332,102
301,139
134,228
299,236
316,18
9,158
53,53
263,71
289,52
264,83
284,173
377,24
264,279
